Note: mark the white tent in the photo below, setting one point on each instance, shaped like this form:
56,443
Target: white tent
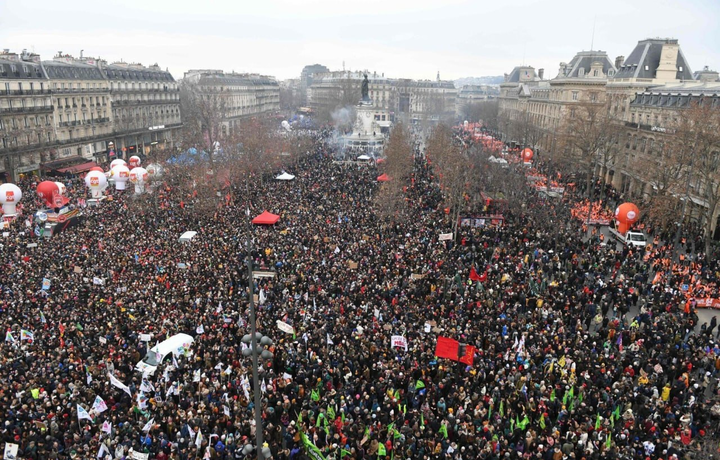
187,236
285,176
363,157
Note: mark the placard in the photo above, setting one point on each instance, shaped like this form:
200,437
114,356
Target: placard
446,236
285,327
145,337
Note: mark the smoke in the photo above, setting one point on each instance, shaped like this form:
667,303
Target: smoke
342,118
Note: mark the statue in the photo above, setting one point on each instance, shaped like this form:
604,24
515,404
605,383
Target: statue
365,89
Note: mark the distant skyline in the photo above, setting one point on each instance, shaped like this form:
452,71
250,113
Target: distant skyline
400,38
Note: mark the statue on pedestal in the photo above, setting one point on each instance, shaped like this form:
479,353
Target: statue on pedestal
364,89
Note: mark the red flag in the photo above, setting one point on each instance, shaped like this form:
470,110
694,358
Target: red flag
475,277
469,355
447,348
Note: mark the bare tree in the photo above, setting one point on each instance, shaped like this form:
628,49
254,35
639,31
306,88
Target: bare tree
482,111
452,166
398,165
204,111
587,131
698,135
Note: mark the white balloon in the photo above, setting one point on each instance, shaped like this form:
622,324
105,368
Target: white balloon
117,162
96,182
10,196
121,175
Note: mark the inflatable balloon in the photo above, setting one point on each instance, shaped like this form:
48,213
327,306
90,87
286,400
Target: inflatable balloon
10,196
121,174
527,155
626,214
49,192
154,170
61,188
96,182
139,177
117,162
98,169
134,161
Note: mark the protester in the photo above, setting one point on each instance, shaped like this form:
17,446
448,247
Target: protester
580,352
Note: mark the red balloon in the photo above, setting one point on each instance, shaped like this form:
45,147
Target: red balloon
46,190
527,155
626,214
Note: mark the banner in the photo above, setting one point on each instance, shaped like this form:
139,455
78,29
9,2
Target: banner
446,236
11,451
117,383
285,327
447,348
469,355
398,341
311,449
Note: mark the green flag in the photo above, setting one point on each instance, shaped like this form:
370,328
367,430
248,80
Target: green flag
598,422
396,395
443,431
331,413
79,327
367,432
315,395
552,395
419,385
381,450
572,392
542,422
608,441
310,448
344,452
512,424
523,423
580,396
616,413
502,408
319,417
489,412
565,398
422,420
342,415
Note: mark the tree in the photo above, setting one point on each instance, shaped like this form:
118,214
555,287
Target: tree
452,166
398,165
204,110
482,111
588,130
697,136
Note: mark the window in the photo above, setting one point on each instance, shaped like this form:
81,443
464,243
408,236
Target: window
574,95
595,73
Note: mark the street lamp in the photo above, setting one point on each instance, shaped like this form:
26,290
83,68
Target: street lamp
253,339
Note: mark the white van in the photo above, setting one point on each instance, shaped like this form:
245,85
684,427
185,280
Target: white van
178,343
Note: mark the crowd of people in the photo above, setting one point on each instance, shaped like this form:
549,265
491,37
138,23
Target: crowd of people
580,354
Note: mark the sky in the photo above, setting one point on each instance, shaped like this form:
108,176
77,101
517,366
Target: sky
400,38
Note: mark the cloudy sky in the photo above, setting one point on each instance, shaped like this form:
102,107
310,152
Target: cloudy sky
401,38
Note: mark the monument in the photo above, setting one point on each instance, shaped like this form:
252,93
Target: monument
367,137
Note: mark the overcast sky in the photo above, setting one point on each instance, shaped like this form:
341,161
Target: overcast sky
401,38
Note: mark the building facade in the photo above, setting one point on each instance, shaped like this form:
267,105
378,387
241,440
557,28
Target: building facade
145,108
65,113
27,126
83,116
247,95
470,94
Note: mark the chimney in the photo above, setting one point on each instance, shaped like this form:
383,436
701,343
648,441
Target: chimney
541,73
619,61
668,67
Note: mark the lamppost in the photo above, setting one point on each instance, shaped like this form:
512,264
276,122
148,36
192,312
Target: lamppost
253,339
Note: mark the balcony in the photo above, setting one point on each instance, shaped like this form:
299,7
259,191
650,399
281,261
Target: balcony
78,140
26,148
41,109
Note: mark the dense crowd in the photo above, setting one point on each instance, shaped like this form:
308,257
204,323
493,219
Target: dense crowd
580,353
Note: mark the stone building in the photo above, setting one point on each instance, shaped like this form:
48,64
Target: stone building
27,127
470,94
247,94
145,108
83,116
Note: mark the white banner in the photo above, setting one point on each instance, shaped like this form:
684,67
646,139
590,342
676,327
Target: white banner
446,236
10,451
285,327
145,337
398,341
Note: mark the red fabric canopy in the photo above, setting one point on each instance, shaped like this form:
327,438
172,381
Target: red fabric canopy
78,168
383,178
266,218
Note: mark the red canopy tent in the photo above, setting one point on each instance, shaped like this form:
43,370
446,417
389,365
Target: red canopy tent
266,218
383,178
